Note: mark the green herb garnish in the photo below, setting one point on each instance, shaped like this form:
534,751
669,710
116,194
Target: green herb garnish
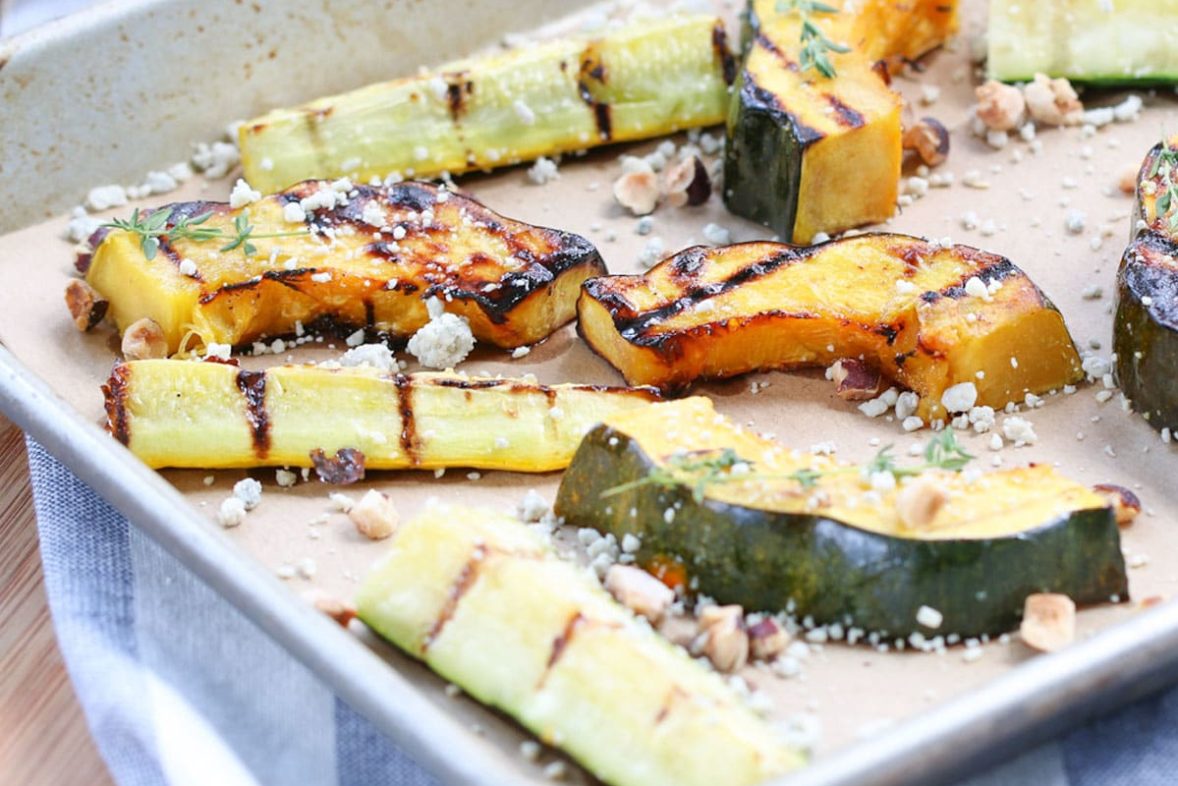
1163,168
153,227
702,469
816,46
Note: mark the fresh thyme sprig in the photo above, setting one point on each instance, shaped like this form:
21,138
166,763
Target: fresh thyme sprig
1164,165
816,46
153,227
703,469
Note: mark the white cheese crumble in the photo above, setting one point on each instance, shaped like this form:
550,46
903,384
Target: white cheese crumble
373,214
243,195
321,278
215,160
187,267
651,253
975,287
524,112
960,397
104,197
231,513
1075,221
249,491
929,617
293,213
285,478
545,170
1019,431
717,235
376,356
218,351
444,341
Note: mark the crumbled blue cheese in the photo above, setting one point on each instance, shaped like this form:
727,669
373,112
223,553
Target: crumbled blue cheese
929,617
524,112
912,423
105,197
376,356
215,160
293,213
975,287
160,182
218,351
960,397
231,513
651,253
1019,431
373,214
187,267
520,352
81,226
644,225
717,235
321,278
323,198
1075,221
444,341
545,170
249,491
285,478
906,405
981,418
880,404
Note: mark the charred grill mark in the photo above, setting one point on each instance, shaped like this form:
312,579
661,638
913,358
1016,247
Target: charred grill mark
252,385
458,89
675,693
998,269
468,384
404,386
756,97
846,116
889,332
115,394
601,111
593,70
561,642
723,53
288,278
880,67
461,585
369,314
769,45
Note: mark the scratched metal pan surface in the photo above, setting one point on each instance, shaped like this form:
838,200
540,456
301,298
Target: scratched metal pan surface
126,88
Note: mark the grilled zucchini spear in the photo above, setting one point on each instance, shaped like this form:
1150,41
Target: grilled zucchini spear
175,413
344,257
644,80
811,153
928,317
484,602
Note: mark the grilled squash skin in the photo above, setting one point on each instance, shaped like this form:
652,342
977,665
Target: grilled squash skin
174,413
896,300
1145,328
793,133
485,603
515,283
838,551
647,79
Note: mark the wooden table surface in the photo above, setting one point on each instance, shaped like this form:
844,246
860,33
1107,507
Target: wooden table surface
44,740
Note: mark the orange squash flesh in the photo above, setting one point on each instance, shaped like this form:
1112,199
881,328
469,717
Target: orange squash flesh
898,301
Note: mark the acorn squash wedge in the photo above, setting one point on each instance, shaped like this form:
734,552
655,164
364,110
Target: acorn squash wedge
646,79
339,257
487,605
774,529
927,316
178,413
1145,328
808,153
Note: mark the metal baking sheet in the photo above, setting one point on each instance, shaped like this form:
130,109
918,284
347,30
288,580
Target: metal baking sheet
886,718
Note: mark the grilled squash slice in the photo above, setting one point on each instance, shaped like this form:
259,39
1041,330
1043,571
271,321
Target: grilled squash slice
643,80
1145,332
487,605
909,306
368,257
175,413
1126,42
832,548
807,153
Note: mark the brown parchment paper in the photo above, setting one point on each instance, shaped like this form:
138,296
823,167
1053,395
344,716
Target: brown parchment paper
852,692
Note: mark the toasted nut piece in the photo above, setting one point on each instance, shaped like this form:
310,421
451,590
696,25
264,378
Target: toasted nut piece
687,183
855,380
1151,601
1000,106
1053,102
639,591
726,644
1128,179
374,515
1126,504
679,629
637,191
767,639
1049,621
144,340
929,139
919,502
341,611
85,304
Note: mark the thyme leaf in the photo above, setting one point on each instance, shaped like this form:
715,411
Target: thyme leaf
157,226
816,45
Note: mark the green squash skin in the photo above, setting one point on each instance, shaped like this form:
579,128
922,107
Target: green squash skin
1145,338
836,573
763,149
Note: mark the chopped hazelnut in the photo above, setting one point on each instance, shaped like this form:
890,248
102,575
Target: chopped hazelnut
1049,621
374,515
1053,102
919,502
86,306
855,380
637,191
1000,106
639,591
767,639
1127,182
726,644
929,139
1126,504
687,183
144,340
339,610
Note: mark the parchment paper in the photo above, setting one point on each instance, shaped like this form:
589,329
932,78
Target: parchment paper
853,692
